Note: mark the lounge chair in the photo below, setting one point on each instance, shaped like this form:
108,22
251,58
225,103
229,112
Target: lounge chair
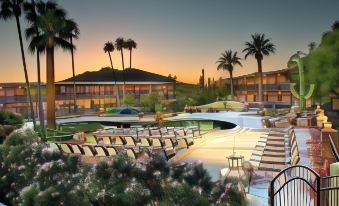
131,153
65,148
88,150
101,151
77,149
129,140
118,140
112,151
145,142
157,143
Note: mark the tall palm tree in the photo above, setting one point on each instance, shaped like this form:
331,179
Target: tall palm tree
227,61
120,45
32,31
259,47
108,48
130,44
72,32
12,9
52,24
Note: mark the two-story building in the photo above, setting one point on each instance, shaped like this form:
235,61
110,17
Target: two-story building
99,88
94,89
276,87
13,96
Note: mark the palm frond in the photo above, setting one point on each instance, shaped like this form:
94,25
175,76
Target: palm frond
38,43
259,46
108,47
62,43
30,32
6,12
120,43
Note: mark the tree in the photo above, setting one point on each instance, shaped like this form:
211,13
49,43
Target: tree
31,31
227,61
259,47
52,24
311,46
108,48
130,45
72,32
120,45
12,9
129,100
322,64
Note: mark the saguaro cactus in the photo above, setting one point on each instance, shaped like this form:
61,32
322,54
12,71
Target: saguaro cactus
301,96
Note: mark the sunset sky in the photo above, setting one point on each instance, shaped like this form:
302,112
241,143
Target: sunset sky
178,37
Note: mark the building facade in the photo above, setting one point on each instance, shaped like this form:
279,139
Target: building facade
276,87
94,89
14,97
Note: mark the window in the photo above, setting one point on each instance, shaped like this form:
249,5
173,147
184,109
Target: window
62,89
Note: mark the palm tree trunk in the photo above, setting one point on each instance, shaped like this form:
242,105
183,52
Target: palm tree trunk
130,58
123,74
115,81
231,78
74,84
25,71
41,108
260,94
50,85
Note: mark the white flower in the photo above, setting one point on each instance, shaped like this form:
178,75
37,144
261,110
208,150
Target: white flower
21,167
157,173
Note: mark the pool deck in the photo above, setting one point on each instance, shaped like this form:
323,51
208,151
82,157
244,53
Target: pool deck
215,145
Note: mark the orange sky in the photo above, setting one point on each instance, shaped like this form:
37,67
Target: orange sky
176,37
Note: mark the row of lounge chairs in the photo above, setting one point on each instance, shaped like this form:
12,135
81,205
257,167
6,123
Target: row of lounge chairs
111,151
193,131
276,151
134,141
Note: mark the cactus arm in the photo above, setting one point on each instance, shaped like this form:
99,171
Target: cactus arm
294,91
310,91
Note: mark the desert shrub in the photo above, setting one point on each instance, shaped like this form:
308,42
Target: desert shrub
8,117
34,174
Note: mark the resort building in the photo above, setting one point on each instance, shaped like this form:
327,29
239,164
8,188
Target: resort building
94,89
99,88
276,87
14,97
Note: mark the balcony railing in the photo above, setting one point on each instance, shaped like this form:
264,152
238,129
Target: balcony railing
266,87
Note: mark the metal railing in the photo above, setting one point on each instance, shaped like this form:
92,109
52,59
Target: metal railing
266,87
300,185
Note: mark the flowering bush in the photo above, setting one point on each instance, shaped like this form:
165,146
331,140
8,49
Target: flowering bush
34,174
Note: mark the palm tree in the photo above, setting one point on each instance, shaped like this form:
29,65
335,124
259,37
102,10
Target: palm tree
32,31
72,32
108,48
130,44
120,45
227,61
52,24
259,47
10,9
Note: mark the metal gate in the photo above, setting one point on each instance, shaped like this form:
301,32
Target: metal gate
301,186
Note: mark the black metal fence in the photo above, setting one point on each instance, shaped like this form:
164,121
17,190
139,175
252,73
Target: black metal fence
300,185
